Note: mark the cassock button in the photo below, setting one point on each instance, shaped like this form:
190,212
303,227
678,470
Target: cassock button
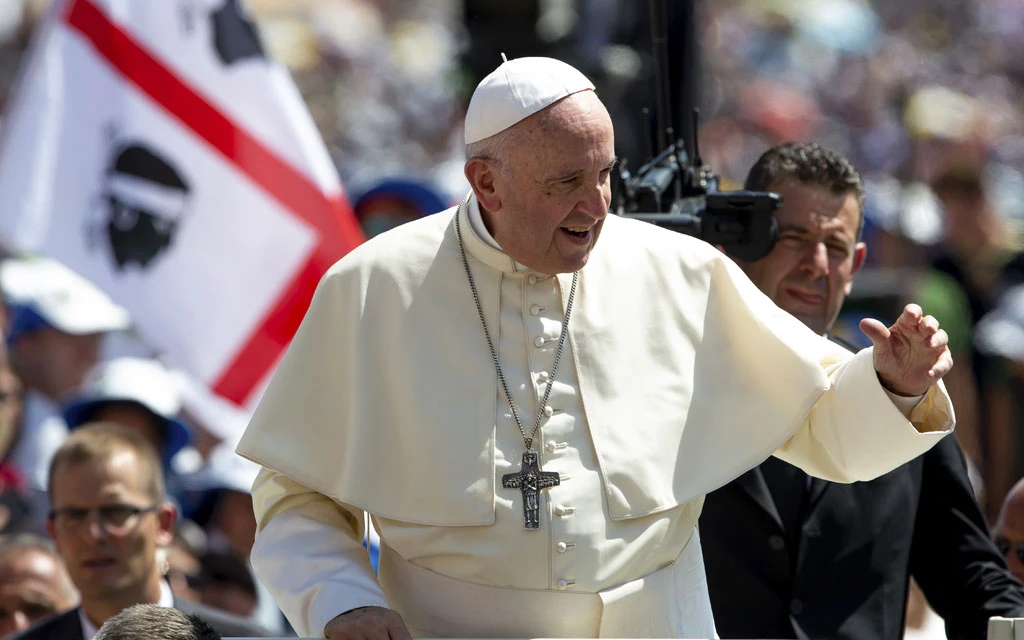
539,342
534,310
550,445
561,547
776,543
565,584
542,376
796,607
548,411
532,279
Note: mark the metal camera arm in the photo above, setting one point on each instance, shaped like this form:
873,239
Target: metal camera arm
672,192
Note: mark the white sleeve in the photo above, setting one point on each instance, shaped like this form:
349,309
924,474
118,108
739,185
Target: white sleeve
858,431
309,554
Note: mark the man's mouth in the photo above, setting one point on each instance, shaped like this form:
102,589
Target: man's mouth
99,563
578,234
807,297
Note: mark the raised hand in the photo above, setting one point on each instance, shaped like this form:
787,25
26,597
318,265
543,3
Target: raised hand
912,354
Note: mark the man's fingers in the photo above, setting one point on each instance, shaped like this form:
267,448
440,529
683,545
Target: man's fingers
928,325
938,340
877,332
911,316
396,627
367,623
942,366
399,632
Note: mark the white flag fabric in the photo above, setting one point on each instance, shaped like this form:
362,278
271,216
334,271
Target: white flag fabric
154,149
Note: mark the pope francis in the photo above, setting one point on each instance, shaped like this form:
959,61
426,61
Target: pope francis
532,418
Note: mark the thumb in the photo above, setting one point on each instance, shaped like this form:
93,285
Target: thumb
877,332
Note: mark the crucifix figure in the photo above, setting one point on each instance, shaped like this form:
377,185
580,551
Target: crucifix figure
530,480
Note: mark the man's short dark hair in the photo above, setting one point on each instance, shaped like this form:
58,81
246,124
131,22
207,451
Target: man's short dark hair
809,164
154,621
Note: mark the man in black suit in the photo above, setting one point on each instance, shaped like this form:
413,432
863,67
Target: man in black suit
789,556
108,518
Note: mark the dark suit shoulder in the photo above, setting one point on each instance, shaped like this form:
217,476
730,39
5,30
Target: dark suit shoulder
846,344
227,624
62,626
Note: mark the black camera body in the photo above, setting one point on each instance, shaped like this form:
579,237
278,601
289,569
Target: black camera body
681,194
669,193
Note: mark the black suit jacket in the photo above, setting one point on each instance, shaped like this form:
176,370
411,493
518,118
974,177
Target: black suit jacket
67,626
858,544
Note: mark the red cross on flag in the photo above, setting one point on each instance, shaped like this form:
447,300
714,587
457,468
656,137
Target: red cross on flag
153,148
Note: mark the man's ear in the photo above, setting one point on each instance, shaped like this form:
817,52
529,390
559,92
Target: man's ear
482,175
860,251
167,515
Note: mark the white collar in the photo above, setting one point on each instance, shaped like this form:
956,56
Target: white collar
476,221
482,245
89,630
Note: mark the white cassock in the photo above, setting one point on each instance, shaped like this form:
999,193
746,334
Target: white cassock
678,376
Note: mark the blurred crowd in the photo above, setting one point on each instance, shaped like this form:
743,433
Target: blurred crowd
922,95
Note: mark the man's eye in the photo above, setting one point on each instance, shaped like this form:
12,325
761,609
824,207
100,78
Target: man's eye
116,515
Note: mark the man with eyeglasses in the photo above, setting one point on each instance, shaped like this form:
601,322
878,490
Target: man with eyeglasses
108,518
1009,530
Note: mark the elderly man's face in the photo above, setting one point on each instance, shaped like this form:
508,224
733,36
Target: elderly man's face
33,585
810,270
555,191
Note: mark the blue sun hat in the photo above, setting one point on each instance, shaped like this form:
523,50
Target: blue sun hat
388,202
145,382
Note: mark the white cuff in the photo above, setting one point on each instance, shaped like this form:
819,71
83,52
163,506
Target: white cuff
906,404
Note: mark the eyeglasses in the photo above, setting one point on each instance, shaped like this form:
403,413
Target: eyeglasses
115,519
1004,546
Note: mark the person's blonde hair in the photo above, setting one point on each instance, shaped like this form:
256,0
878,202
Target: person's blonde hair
102,441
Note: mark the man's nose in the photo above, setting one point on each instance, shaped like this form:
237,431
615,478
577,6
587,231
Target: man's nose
596,201
815,260
94,528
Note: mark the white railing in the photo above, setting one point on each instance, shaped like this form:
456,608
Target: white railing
1006,629
998,629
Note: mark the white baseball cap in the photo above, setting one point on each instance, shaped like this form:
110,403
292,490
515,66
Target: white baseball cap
516,90
43,292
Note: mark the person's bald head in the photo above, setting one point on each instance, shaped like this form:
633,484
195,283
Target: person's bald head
33,582
1009,530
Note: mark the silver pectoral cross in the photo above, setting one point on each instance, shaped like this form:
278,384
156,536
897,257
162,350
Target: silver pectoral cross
530,481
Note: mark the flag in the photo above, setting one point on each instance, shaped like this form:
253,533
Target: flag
152,147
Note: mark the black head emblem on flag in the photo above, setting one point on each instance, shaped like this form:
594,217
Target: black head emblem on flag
145,199
234,35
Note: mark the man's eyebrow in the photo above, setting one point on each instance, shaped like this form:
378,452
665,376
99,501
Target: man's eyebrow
793,227
572,173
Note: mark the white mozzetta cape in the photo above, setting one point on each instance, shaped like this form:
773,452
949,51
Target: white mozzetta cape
688,377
